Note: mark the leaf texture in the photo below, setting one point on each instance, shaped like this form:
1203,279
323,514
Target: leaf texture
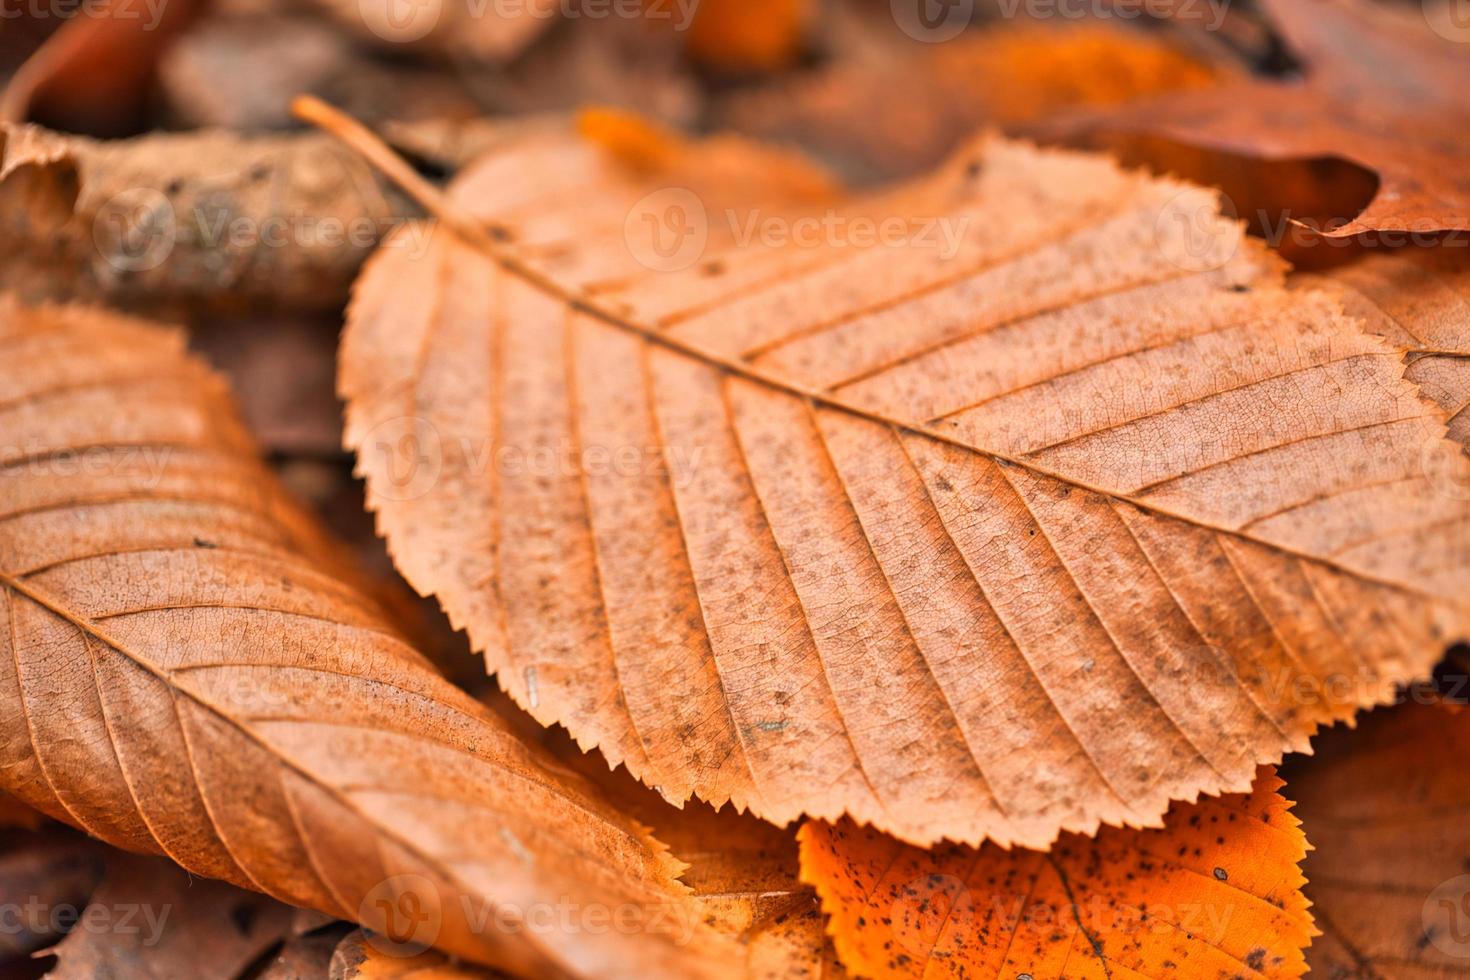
197,222
1214,895
1044,532
743,872
1419,299
1389,876
189,670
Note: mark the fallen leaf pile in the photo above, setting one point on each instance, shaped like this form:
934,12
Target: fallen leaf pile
734,490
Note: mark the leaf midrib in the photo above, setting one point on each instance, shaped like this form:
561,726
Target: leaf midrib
512,264
88,628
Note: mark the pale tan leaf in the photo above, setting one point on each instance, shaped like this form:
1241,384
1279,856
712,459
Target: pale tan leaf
1418,298
1081,516
190,670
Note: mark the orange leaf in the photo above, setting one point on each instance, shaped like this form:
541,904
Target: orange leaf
1215,894
746,35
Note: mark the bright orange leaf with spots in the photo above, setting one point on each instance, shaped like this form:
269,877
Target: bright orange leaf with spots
1215,893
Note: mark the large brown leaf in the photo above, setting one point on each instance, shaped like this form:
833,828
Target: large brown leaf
1216,894
1384,88
1045,532
189,670
1389,876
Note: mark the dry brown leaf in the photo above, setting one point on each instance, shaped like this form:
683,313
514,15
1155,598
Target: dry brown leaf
625,62
1047,532
192,672
895,113
1214,895
304,957
188,221
150,919
1419,298
94,72
1389,876
1384,88
40,873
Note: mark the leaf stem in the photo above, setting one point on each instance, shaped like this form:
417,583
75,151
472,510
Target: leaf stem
379,154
